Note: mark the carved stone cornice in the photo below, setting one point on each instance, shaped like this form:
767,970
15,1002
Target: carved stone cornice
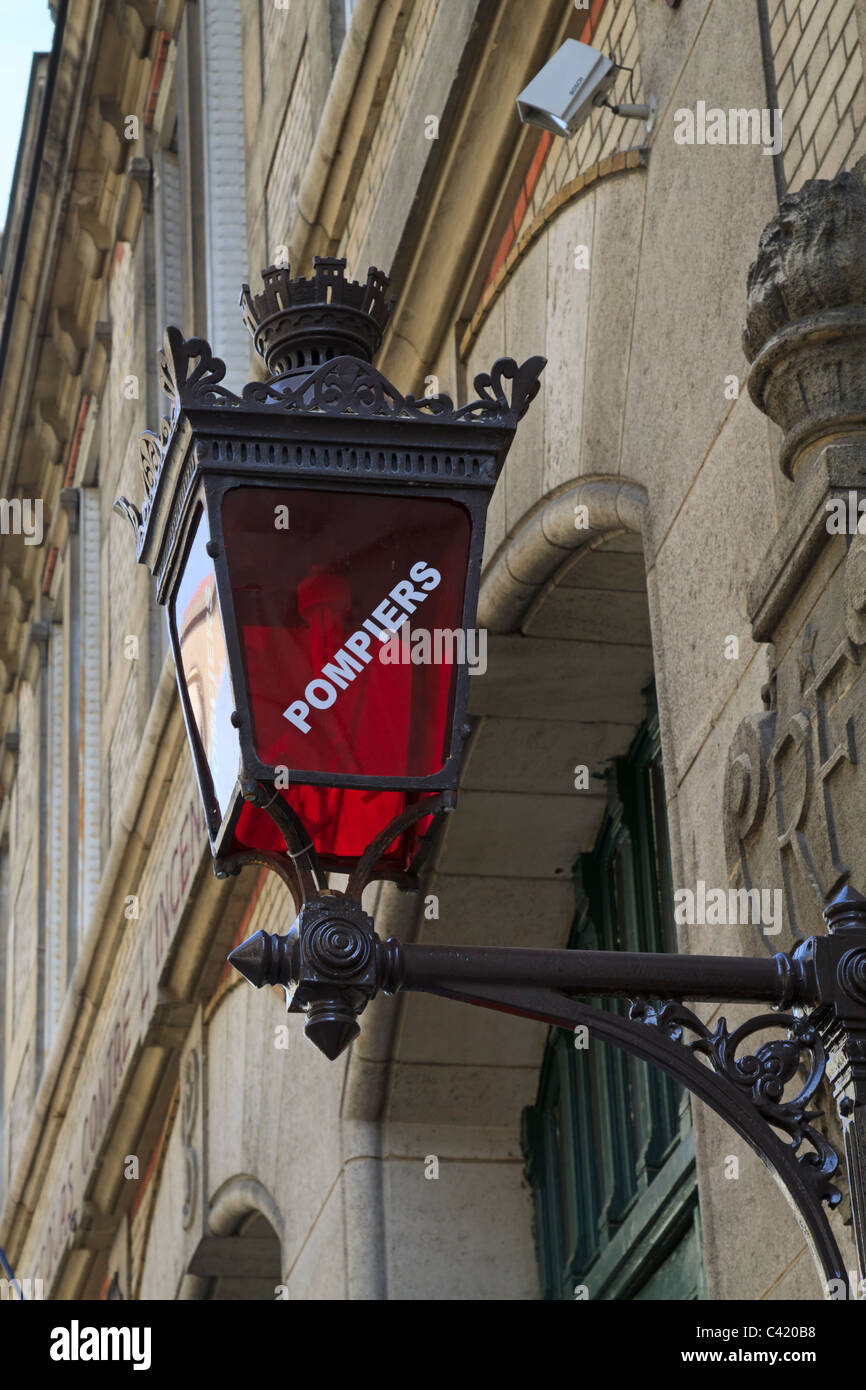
98,358
135,20
111,138
69,502
92,241
68,337
51,427
133,199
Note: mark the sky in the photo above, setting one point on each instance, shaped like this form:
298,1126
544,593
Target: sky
25,28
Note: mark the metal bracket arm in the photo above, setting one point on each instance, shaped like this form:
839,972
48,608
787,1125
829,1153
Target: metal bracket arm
332,963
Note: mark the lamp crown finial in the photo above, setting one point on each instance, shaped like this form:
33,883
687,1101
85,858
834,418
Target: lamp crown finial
300,323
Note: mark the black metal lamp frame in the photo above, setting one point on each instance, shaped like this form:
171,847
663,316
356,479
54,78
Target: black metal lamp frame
341,428
327,419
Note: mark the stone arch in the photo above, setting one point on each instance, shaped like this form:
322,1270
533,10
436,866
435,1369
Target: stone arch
235,1200
240,1259
527,567
527,563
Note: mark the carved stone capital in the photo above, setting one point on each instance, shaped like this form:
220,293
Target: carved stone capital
805,330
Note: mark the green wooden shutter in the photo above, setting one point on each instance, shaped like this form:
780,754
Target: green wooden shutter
608,1144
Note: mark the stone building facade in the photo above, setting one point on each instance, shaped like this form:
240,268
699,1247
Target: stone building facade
665,605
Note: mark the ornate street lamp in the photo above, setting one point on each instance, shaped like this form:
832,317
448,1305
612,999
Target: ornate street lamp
295,533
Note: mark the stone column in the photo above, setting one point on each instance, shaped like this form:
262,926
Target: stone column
795,804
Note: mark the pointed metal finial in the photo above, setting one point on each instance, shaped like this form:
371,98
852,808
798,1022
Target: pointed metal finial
331,1026
847,909
263,959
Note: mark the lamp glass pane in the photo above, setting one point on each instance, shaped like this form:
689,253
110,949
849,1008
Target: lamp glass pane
204,661
341,820
321,580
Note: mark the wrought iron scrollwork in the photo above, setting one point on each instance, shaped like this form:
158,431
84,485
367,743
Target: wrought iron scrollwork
763,1076
747,1092
493,404
189,374
151,456
342,387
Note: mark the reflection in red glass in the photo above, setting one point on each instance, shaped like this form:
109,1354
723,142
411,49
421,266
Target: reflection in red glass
315,605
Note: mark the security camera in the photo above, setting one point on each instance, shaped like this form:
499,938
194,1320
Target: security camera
574,81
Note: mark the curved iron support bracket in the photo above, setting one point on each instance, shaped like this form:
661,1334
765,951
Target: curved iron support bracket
763,1076
230,864
312,878
362,872
299,867
332,964
746,1093
301,870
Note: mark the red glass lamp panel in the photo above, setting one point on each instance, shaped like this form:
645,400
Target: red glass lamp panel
330,590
